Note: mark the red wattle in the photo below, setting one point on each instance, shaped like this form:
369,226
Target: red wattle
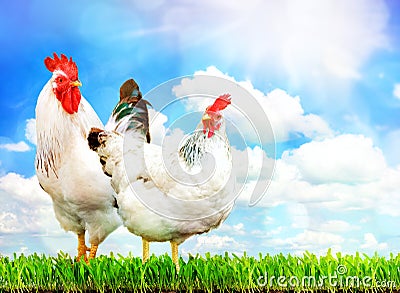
75,98
210,130
207,124
204,127
70,100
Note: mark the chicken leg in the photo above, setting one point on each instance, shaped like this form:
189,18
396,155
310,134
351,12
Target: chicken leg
82,248
175,257
145,250
93,251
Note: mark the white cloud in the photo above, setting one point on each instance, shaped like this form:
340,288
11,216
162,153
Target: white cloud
234,230
355,123
338,171
25,207
298,215
396,91
30,130
217,244
23,250
343,173
336,226
307,241
287,117
16,147
253,171
269,220
30,134
248,163
9,223
372,244
24,189
391,146
267,233
157,128
306,40
340,159
252,107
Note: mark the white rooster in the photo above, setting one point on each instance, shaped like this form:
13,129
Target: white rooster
65,166
162,204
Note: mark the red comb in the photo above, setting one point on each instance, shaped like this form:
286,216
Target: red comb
220,103
67,66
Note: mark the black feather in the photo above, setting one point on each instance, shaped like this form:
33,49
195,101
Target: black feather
115,203
93,138
41,186
128,89
133,106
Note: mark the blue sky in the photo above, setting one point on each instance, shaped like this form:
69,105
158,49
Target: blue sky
325,72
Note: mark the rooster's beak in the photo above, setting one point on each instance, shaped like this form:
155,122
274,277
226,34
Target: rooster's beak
206,117
76,83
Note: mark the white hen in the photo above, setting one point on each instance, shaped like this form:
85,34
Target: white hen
166,198
65,166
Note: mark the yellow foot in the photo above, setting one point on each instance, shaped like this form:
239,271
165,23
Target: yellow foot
175,257
82,248
82,252
93,251
145,250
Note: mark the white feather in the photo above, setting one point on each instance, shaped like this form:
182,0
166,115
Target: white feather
149,196
69,171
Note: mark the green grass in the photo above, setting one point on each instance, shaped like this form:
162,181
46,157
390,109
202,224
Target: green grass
205,274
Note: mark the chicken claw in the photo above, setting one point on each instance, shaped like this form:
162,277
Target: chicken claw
93,251
175,257
145,249
82,248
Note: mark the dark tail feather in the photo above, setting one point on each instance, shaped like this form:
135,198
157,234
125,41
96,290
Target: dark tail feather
93,138
133,106
128,89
